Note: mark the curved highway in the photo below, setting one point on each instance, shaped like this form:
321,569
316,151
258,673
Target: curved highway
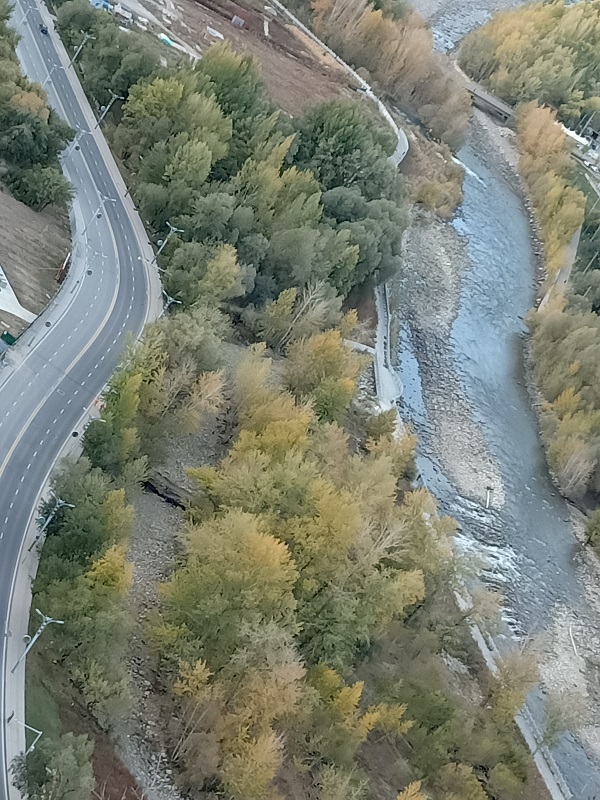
62,363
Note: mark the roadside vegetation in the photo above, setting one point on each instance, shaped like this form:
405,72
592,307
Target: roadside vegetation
31,134
114,59
308,634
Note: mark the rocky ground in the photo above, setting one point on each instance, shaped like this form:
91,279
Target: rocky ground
451,21
570,662
428,294
153,550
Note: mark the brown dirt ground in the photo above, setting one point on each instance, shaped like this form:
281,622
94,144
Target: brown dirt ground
33,246
295,73
113,779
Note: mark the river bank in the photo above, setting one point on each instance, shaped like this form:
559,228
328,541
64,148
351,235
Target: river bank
461,301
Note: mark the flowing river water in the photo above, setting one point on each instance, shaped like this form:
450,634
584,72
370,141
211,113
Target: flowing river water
464,292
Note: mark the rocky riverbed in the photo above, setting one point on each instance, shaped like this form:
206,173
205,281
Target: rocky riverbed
451,21
462,298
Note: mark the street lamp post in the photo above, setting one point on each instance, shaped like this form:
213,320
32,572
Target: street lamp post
108,107
43,625
49,75
86,37
96,213
27,727
58,504
169,302
72,145
24,19
172,229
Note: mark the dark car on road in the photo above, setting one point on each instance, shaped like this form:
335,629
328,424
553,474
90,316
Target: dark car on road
43,28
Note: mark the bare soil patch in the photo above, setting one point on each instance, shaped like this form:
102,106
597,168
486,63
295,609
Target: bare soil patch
33,246
296,73
113,779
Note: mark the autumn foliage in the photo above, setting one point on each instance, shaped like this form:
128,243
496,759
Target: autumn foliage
545,52
545,165
297,556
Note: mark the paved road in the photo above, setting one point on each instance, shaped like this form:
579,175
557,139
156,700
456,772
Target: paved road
67,357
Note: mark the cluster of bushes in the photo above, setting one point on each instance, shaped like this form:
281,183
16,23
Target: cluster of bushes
545,52
261,207
84,575
31,133
566,351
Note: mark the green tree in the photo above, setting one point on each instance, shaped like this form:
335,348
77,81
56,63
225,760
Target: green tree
112,443
56,770
592,529
294,315
459,783
235,573
235,80
75,18
27,139
323,368
204,272
115,61
342,146
98,518
40,186
565,712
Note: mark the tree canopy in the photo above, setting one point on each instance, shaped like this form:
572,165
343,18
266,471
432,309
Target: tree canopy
31,133
545,52
256,201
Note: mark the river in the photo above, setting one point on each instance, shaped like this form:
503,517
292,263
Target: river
462,300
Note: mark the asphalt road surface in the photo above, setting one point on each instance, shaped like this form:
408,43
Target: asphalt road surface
64,362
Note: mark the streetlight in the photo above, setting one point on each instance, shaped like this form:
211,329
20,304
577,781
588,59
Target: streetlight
44,624
168,302
27,727
49,75
25,15
58,504
74,144
108,107
172,229
79,49
97,213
